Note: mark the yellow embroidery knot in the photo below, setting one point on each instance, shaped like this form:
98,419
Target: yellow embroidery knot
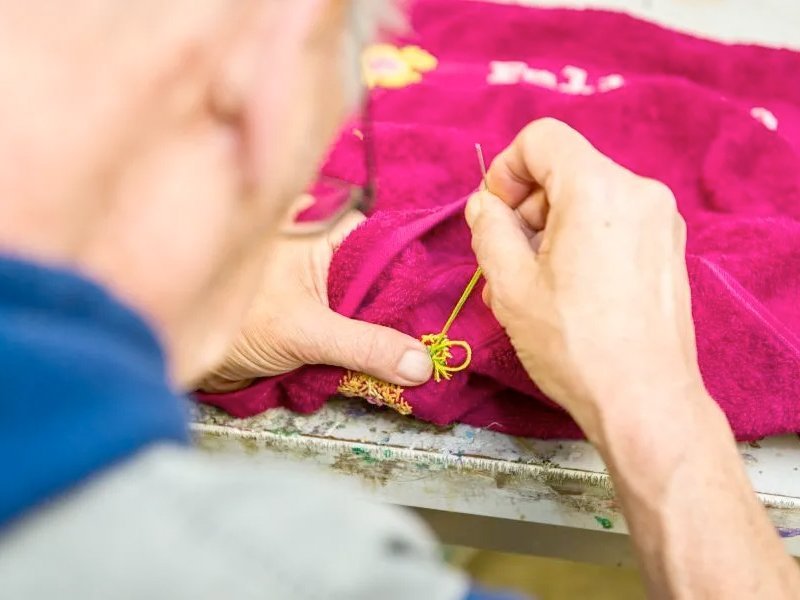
381,393
439,345
391,67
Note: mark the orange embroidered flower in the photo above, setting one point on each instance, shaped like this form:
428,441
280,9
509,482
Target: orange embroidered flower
391,67
374,391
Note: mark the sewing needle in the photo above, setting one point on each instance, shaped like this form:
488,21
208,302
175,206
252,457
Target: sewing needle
479,272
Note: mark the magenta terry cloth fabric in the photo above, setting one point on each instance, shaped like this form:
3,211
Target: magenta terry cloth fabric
720,124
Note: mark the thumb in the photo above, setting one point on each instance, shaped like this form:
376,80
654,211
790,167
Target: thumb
373,349
499,241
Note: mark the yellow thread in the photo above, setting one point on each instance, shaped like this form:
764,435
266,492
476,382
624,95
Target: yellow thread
374,391
439,345
381,393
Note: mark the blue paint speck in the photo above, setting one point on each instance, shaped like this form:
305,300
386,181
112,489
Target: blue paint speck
785,532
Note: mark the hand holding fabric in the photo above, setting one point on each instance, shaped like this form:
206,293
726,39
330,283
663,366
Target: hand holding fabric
586,270
291,324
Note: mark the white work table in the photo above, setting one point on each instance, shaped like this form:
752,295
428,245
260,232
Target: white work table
478,487
485,489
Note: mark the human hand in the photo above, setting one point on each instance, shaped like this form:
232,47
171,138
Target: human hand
586,271
291,324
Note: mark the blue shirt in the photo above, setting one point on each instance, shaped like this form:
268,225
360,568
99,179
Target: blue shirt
82,385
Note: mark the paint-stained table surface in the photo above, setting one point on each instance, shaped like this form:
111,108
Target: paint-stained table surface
481,488
491,479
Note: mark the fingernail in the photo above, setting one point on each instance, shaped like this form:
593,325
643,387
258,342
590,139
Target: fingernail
474,206
415,366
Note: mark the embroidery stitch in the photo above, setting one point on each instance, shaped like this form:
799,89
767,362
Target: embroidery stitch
765,117
576,79
387,66
374,391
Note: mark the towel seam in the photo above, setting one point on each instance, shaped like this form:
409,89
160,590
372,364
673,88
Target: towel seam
753,306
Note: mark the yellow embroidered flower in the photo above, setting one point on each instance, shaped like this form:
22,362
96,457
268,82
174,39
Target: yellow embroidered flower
391,67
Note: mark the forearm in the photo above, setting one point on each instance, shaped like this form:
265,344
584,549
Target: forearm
698,528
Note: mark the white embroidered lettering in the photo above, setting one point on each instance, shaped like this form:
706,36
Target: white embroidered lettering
541,78
512,72
576,81
506,72
765,117
610,82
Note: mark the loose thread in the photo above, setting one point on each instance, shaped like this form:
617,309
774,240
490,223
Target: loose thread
439,345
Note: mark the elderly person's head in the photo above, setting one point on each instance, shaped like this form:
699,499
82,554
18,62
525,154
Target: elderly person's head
156,145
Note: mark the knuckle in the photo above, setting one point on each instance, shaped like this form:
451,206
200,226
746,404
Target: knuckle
659,194
550,125
546,129
652,200
483,238
370,351
364,352
478,234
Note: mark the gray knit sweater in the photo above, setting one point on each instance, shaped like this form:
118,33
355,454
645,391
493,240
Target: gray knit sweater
174,523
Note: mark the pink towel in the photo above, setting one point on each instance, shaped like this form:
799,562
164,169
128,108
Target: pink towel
719,124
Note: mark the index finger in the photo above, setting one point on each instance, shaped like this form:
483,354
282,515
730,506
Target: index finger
544,149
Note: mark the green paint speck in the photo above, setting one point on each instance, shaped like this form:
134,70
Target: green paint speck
605,523
285,431
364,454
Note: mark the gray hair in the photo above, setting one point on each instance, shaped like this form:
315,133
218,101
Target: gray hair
370,15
